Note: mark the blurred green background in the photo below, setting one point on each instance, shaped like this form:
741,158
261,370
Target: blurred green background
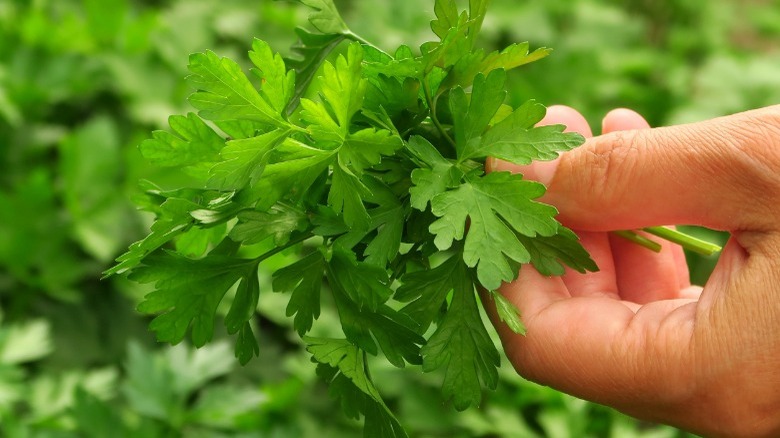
83,82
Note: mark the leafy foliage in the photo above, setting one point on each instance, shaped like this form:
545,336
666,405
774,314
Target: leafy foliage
290,169
83,82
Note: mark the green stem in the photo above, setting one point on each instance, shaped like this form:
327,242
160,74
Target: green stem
278,249
686,241
639,240
355,37
432,107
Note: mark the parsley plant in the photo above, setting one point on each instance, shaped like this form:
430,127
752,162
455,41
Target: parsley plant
370,167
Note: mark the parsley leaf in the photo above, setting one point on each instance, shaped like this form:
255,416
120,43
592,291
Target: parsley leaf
278,83
189,291
508,313
225,92
280,222
436,175
365,284
193,144
462,346
244,160
311,50
304,279
515,139
426,292
498,205
292,168
326,17
549,254
174,219
342,88
344,367
393,331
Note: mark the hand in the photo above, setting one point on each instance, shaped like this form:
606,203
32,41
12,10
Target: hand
636,335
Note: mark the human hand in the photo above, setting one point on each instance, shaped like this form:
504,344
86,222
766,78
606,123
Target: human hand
636,335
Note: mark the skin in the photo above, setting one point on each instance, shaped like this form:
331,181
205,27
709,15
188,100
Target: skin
636,335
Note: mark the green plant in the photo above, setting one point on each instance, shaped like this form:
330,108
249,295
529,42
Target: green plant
366,168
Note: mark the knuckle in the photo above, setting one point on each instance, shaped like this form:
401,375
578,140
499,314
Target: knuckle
754,139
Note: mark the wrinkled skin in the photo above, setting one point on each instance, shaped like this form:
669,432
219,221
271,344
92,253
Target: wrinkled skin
636,335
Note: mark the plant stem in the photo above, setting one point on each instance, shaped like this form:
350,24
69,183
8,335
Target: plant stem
640,240
432,106
278,249
686,241
355,37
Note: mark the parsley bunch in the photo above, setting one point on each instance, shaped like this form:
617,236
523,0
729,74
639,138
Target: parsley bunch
370,167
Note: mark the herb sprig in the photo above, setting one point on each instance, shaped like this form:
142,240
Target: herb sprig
377,182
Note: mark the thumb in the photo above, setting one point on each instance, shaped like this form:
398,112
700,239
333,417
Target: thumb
722,173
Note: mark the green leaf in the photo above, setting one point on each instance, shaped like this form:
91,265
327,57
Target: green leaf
187,292
403,65
243,161
446,17
477,12
366,285
25,342
395,333
196,241
549,254
192,143
472,117
346,197
366,147
309,53
508,313
388,219
280,222
438,175
512,57
515,139
224,406
244,304
498,206
225,93
342,89
278,83
457,34
453,46
174,219
326,17
462,346
246,344
426,291
291,170
89,176
304,279
347,373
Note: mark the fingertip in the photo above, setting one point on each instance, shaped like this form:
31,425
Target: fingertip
623,119
568,116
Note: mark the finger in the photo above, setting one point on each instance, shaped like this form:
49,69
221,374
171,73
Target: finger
622,119
633,179
599,348
601,283
643,276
